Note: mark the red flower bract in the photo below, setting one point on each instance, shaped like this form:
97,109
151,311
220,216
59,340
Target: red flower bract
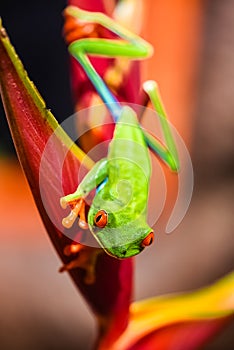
32,125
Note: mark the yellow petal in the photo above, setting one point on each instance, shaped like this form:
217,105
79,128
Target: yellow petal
215,301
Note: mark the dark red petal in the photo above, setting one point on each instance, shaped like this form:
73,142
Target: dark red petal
182,336
31,126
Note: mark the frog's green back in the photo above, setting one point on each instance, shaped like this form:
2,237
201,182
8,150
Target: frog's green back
127,128
124,196
129,144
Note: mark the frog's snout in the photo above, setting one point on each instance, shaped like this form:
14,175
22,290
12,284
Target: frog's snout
126,252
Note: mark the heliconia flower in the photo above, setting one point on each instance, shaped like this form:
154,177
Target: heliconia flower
184,321
105,282
181,322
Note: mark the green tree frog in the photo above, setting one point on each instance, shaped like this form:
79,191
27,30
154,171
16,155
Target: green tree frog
118,214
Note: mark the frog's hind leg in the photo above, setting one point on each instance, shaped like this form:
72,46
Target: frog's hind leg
127,44
167,153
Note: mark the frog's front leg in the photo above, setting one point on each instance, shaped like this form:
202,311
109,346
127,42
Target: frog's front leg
83,257
77,210
76,200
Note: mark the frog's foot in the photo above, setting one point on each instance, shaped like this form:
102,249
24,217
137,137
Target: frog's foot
77,210
85,258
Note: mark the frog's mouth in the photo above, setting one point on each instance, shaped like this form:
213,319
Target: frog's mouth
119,253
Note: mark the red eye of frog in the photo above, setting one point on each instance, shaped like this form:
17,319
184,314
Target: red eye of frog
101,218
148,240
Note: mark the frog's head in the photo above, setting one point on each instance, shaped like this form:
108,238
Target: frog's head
121,237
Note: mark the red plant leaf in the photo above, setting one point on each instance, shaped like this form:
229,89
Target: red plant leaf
31,127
